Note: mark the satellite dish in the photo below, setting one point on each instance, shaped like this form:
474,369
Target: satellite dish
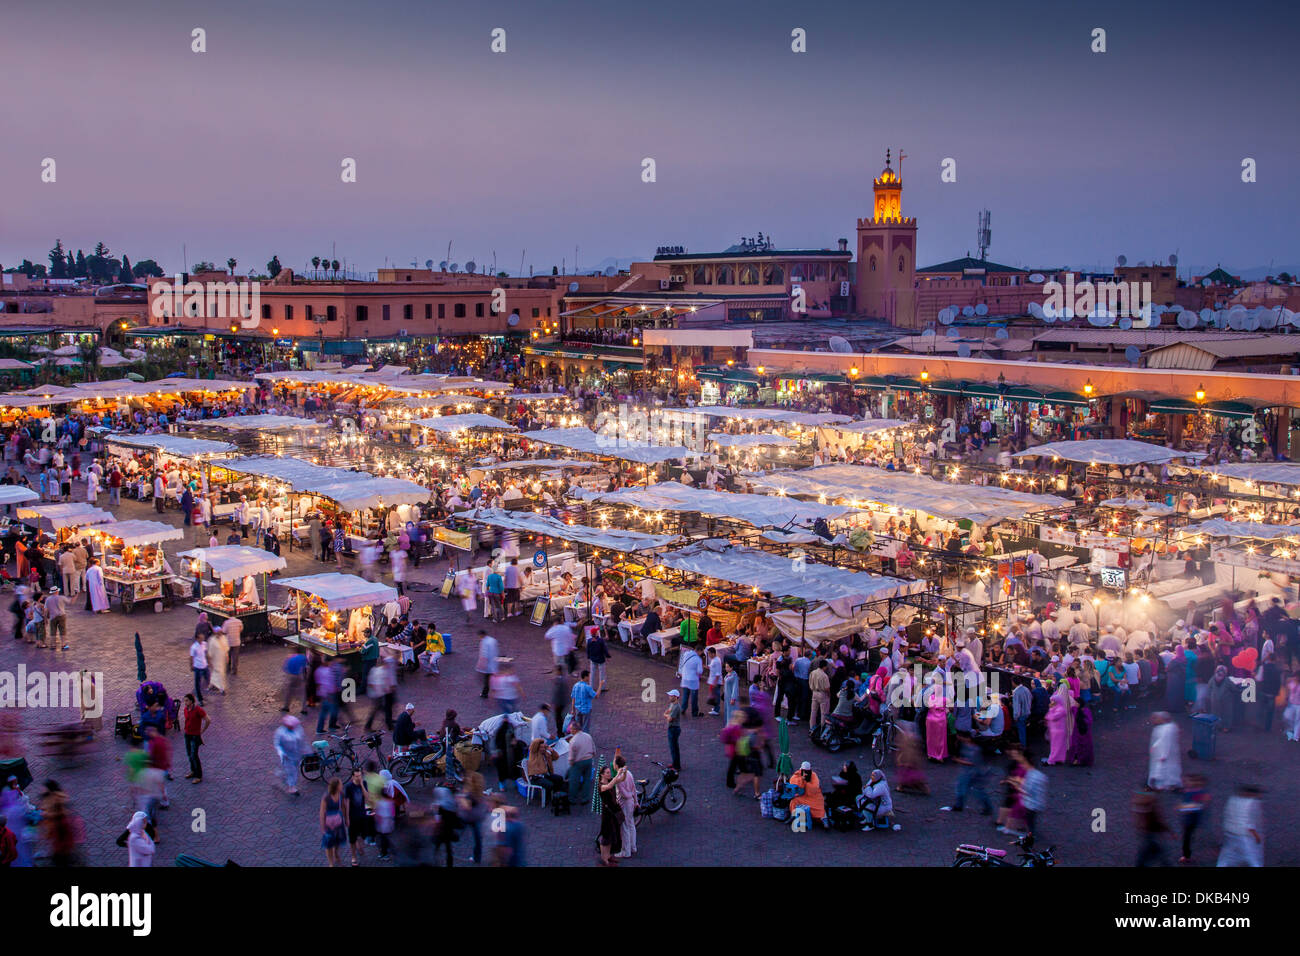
954,333
512,319
1186,320
470,266
1132,354
428,263
1175,308
1100,320
1154,321
840,344
455,267
1269,319
981,309
573,287
1001,334
1125,323
1206,315
1121,261
1035,310
1205,283
1049,317
947,315
1287,317
1048,310
925,332
968,311
1251,323
1038,277
610,271
963,351
1173,259
442,266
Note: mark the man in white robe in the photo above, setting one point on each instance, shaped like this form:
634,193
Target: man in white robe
96,595
1165,760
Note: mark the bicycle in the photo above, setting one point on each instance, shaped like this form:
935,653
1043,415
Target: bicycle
884,739
313,766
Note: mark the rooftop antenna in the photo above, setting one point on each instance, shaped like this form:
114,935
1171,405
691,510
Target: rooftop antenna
901,156
984,233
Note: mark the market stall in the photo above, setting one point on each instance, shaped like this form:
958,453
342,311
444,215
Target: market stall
329,613
134,566
234,569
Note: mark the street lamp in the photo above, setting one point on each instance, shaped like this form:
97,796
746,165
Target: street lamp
1087,388
853,372
925,375
1200,393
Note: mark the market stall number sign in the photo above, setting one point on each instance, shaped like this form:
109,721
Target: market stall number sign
1113,578
539,559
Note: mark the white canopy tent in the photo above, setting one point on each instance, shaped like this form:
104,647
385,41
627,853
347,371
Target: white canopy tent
1261,473
862,485
454,423
435,401
870,426
607,446
178,445
533,396
548,463
1107,451
351,490
340,592
70,514
261,423
230,562
611,539
1222,528
761,511
17,494
724,440
807,419
138,532
1148,509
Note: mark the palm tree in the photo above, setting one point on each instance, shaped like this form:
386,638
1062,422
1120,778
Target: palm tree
231,263
315,262
335,266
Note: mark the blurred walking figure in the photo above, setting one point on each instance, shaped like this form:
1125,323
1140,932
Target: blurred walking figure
1164,760
1150,826
288,747
139,845
1243,837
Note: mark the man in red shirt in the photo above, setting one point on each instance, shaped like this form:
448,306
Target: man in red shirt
194,722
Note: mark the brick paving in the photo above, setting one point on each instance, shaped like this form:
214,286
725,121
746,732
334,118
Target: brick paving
250,820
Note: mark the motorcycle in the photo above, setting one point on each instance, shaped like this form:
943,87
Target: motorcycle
972,854
839,732
667,795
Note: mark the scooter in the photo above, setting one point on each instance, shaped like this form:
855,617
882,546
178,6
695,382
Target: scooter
839,732
972,854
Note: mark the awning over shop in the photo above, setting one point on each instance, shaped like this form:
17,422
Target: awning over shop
1262,472
340,592
71,514
1107,451
177,445
229,562
16,494
844,590
611,539
724,440
139,532
1222,528
261,423
783,415
456,423
761,511
350,490
863,486
606,446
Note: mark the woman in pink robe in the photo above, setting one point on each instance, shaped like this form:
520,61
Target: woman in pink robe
936,723
1060,723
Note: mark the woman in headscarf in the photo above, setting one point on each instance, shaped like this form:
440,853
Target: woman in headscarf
218,660
1222,692
1080,753
139,845
611,819
936,721
1176,681
1060,723
1189,674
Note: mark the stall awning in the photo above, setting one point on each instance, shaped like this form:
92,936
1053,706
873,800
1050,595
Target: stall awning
137,533
177,445
1230,409
724,440
611,539
455,423
16,494
71,514
1072,399
350,490
761,511
864,486
606,446
340,592
1107,451
261,423
230,562
1174,406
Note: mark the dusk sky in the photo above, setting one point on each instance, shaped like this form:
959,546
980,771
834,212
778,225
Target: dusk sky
236,151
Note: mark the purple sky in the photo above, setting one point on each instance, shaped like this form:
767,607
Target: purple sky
236,151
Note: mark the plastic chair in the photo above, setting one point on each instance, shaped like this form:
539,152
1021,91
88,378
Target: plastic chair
529,787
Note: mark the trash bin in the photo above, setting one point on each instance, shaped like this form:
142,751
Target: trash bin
1204,729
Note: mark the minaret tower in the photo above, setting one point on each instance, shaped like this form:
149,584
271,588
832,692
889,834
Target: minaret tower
886,268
